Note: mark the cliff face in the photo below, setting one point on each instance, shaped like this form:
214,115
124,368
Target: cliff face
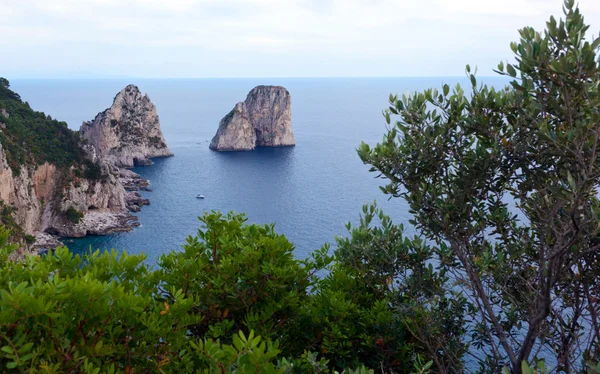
40,196
52,182
128,133
269,110
264,119
235,132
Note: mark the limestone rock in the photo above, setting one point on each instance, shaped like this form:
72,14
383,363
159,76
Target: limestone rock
42,195
264,119
235,132
128,133
95,223
4,114
45,242
40,201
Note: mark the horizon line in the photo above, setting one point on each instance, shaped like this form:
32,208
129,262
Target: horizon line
223,78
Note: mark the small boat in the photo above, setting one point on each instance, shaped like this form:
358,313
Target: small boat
200,197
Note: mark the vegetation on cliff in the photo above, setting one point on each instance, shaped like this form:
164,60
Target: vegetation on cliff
33,138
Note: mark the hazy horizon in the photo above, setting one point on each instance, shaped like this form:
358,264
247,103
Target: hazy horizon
205,39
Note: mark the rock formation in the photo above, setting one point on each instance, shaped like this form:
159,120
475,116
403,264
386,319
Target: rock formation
235,132
40,196
264,119
128,133
92,196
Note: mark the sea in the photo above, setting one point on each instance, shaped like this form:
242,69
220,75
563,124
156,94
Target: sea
309,191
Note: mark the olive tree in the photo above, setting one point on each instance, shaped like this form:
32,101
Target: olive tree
503,184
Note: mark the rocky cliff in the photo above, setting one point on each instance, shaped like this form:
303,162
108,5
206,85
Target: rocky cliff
128,133
264,119
53,182
44,198
235,132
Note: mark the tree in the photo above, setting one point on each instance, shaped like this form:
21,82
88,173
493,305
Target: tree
503,184
111,313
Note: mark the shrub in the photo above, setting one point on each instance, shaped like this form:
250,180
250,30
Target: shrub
73,215
197,312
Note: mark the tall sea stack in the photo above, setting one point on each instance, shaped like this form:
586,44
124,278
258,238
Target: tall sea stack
264,119
128,133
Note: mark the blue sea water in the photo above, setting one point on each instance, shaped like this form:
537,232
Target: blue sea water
309,191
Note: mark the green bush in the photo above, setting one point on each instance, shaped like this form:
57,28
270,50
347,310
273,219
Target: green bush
73,215
198,311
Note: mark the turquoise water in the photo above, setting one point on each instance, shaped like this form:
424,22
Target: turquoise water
309,191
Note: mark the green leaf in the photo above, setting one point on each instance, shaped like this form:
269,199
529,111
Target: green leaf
11,365
7,349
511,70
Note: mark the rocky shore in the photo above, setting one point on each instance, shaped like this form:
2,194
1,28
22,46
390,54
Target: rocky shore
50,202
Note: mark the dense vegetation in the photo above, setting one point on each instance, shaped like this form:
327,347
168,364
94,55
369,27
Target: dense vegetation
33,138
234,300
503,277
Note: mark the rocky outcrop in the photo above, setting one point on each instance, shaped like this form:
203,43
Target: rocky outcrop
235,132
47,201
128,133
264,119
41,195
3,113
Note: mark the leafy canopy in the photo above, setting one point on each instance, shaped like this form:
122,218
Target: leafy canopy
503,184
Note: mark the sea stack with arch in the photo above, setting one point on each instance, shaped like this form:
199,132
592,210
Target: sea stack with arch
264,119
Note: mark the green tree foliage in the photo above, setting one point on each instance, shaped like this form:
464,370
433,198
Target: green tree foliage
243,277
366,308
199,311
32,138
503,184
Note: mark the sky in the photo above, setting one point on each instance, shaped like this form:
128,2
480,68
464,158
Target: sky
264,38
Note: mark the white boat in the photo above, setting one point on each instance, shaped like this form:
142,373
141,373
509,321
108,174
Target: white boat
200,197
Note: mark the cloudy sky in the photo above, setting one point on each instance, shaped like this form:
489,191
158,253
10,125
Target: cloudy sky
264,38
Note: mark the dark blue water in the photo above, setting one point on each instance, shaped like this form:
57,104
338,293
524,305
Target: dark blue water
309,191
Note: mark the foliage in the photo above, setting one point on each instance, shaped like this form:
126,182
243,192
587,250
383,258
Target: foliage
32,137
366,308
7,220
503,184
243,277
73,215
199,311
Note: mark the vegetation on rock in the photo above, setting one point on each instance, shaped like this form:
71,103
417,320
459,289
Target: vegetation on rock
73,215
33,138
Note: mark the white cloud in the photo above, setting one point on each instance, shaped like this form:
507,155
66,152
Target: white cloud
197,38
